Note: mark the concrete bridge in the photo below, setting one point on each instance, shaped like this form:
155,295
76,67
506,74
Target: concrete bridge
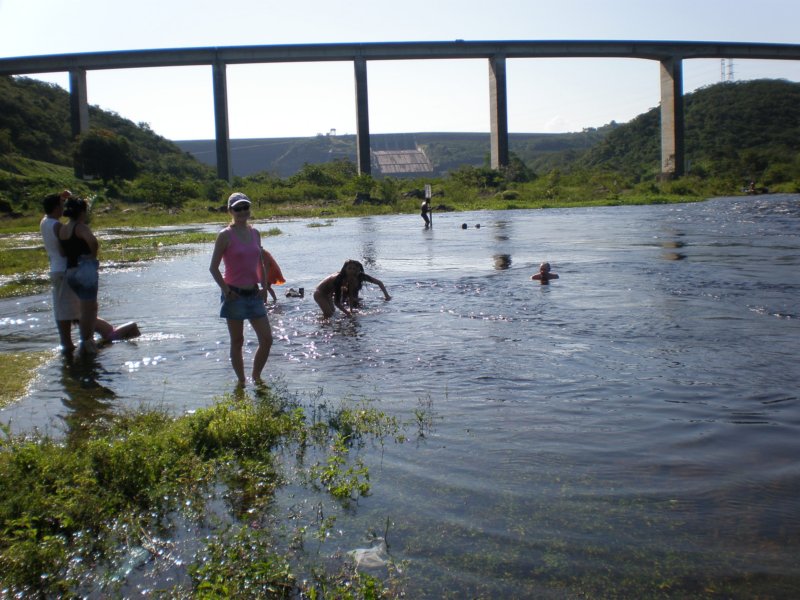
670,55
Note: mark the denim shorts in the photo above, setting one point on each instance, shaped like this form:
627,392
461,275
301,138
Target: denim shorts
83,279
242,308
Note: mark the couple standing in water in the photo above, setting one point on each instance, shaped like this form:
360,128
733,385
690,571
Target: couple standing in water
72,251
245,285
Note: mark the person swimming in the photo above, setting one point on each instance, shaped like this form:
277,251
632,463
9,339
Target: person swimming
544,275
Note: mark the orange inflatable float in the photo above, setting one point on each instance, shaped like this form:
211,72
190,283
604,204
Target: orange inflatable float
274,275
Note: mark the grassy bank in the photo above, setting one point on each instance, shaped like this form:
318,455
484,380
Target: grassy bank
18,371
74,511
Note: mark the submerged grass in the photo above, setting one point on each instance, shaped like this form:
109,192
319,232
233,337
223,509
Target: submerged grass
18,369
67,505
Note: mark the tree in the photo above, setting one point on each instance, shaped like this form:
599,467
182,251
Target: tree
104,154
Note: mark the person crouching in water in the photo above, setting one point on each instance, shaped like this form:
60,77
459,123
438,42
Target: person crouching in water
347,282
238,246
544,275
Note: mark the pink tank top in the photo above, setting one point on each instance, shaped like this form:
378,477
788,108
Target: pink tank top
242,260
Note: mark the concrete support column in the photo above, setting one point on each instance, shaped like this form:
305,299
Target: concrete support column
362,118
498,100
78,102
672,125
224,170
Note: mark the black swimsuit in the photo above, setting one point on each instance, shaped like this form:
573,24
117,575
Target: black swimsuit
74,247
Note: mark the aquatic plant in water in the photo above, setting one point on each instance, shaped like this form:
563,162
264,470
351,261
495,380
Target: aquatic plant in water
85,512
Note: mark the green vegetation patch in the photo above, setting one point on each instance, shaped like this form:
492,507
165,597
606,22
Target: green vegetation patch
26,267
67,506
18,370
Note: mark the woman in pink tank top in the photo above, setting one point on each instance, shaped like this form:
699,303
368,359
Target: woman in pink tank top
238,247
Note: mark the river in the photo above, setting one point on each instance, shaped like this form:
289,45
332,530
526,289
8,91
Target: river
637,419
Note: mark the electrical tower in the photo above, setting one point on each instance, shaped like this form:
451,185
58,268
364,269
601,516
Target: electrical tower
726,70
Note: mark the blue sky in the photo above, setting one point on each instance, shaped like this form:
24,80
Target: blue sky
302,99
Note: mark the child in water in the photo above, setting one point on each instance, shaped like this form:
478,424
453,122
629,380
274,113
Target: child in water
347,282
544,275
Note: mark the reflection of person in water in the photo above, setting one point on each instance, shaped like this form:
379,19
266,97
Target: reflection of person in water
86,398
545,274
334,289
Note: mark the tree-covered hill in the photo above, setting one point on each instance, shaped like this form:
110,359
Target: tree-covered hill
35,124
747,130
446,151
735,132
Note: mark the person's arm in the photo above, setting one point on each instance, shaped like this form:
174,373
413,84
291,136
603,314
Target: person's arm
537,276
379,283
83,232
342,308
56,230
262,265
216,258
553,275
326,289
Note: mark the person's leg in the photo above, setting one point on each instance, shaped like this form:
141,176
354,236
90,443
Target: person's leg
236,331
66,309
110,333
126,331
65,335
87,322
264,333
325,303
104,328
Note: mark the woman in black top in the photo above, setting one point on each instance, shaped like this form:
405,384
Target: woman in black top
80,247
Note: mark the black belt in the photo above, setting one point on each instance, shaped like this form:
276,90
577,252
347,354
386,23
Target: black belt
241,292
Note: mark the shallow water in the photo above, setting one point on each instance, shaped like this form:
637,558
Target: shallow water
636,419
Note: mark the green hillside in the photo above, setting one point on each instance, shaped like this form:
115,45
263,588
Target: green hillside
735,133
35,123
747,130
447,151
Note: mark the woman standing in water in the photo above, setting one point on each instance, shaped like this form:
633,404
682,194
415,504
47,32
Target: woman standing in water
80,247
238,246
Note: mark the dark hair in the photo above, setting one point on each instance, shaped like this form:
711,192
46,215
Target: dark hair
340,279
51,202
75,207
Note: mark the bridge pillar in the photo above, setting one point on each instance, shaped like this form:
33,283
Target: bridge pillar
498,109
364,158
672,124
78,102
78,109
223,141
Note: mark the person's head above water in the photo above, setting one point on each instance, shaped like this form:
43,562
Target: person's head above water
349,277
352,267
544,267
